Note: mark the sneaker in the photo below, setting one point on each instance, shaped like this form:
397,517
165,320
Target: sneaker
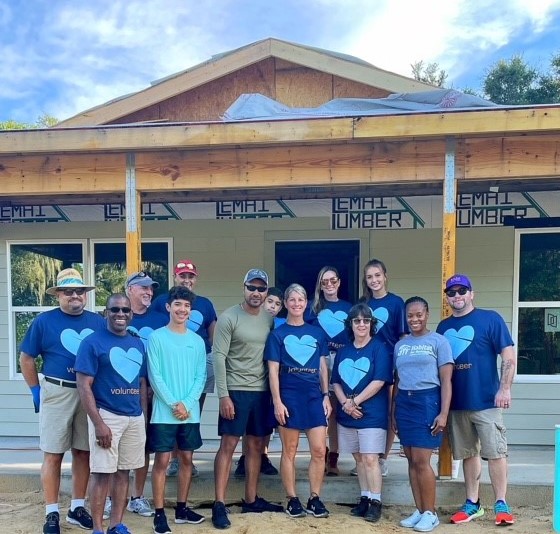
194,472
160,525
373,513
140,506
52,524
240,469
219,515
186,515
362,507
121,528
266,466
316,508
294,508
468,512
427,522
80,517
383,467
503,513
107,508
173,467
411,520
259,506
354,471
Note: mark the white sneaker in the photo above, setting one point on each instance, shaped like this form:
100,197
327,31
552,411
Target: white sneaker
427,523
107,508
140,506
411,520
384,467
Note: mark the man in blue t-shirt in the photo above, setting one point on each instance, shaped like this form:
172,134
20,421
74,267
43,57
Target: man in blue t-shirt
477,429
55,335
111,368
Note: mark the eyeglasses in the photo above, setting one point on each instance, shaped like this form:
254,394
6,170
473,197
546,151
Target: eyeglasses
329,281
117,309
260,289
360,320
69,292
453,292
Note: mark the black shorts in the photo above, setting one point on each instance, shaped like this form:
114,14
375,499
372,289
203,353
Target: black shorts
252,415
163,437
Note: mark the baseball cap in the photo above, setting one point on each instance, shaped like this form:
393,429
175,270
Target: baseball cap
68,279
458,280
141,279
254,274
186,266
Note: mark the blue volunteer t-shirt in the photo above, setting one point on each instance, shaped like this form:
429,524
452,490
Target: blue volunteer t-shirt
144,324
56,336
354,369
331,319
117,363
391,318
202,316
476,340
296,347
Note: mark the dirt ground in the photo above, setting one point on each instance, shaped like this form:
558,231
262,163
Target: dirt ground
23,513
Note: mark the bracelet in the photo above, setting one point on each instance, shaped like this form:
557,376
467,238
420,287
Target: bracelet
325,394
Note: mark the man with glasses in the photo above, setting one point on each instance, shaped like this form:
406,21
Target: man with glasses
242,385
111,368
477,429
55,335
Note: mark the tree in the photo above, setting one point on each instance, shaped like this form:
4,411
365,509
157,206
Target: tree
429,73
44,121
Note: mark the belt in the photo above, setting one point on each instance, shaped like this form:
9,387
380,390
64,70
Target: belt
62,383
419,392
289,370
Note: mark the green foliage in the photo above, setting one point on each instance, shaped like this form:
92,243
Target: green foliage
429,73
44,121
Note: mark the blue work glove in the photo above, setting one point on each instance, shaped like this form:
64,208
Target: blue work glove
36,393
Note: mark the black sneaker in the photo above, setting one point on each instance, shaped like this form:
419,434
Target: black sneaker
373,513
259,506
80,517
266,466
240,469
294,508
160,525
219,515
186,515
361,509
52,524
316,508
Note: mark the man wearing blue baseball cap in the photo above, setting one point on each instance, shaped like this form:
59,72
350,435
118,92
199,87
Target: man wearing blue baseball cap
476,428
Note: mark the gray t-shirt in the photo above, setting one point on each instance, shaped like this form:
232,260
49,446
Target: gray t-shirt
417,360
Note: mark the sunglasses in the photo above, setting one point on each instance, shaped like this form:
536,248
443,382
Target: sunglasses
116,309
141,274
182,265
453,292
329,281
260,289
69,292
360,320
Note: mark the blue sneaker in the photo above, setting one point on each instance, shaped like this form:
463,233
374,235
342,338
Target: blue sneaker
121,528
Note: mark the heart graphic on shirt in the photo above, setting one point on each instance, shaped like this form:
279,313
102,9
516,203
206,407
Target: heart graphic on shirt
126,363
382,316
143,333
461,340
332,323
352,371
71,339
195,321
300,348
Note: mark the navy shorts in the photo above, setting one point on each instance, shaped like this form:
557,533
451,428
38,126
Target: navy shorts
164,437
415,412
305,406
252,415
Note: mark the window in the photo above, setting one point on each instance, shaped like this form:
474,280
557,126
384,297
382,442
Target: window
538,302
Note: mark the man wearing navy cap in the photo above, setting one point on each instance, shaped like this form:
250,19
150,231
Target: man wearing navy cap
477,429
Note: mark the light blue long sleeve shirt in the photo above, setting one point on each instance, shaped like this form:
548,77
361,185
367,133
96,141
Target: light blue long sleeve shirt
177,373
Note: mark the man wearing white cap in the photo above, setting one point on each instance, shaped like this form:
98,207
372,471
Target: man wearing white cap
55,335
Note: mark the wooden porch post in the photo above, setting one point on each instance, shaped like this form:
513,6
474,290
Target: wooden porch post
448,249
133,218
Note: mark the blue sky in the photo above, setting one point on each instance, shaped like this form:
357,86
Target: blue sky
63,56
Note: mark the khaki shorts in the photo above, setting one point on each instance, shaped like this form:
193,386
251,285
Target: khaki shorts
477,433
362,440
62,420
127,446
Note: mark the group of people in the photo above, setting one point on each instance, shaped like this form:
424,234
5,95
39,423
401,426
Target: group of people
118,388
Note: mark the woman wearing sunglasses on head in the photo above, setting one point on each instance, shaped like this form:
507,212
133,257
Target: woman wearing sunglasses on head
360,377
330,313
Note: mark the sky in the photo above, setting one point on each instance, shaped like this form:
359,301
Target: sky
60,57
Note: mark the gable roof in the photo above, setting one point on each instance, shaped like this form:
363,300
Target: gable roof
342,65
